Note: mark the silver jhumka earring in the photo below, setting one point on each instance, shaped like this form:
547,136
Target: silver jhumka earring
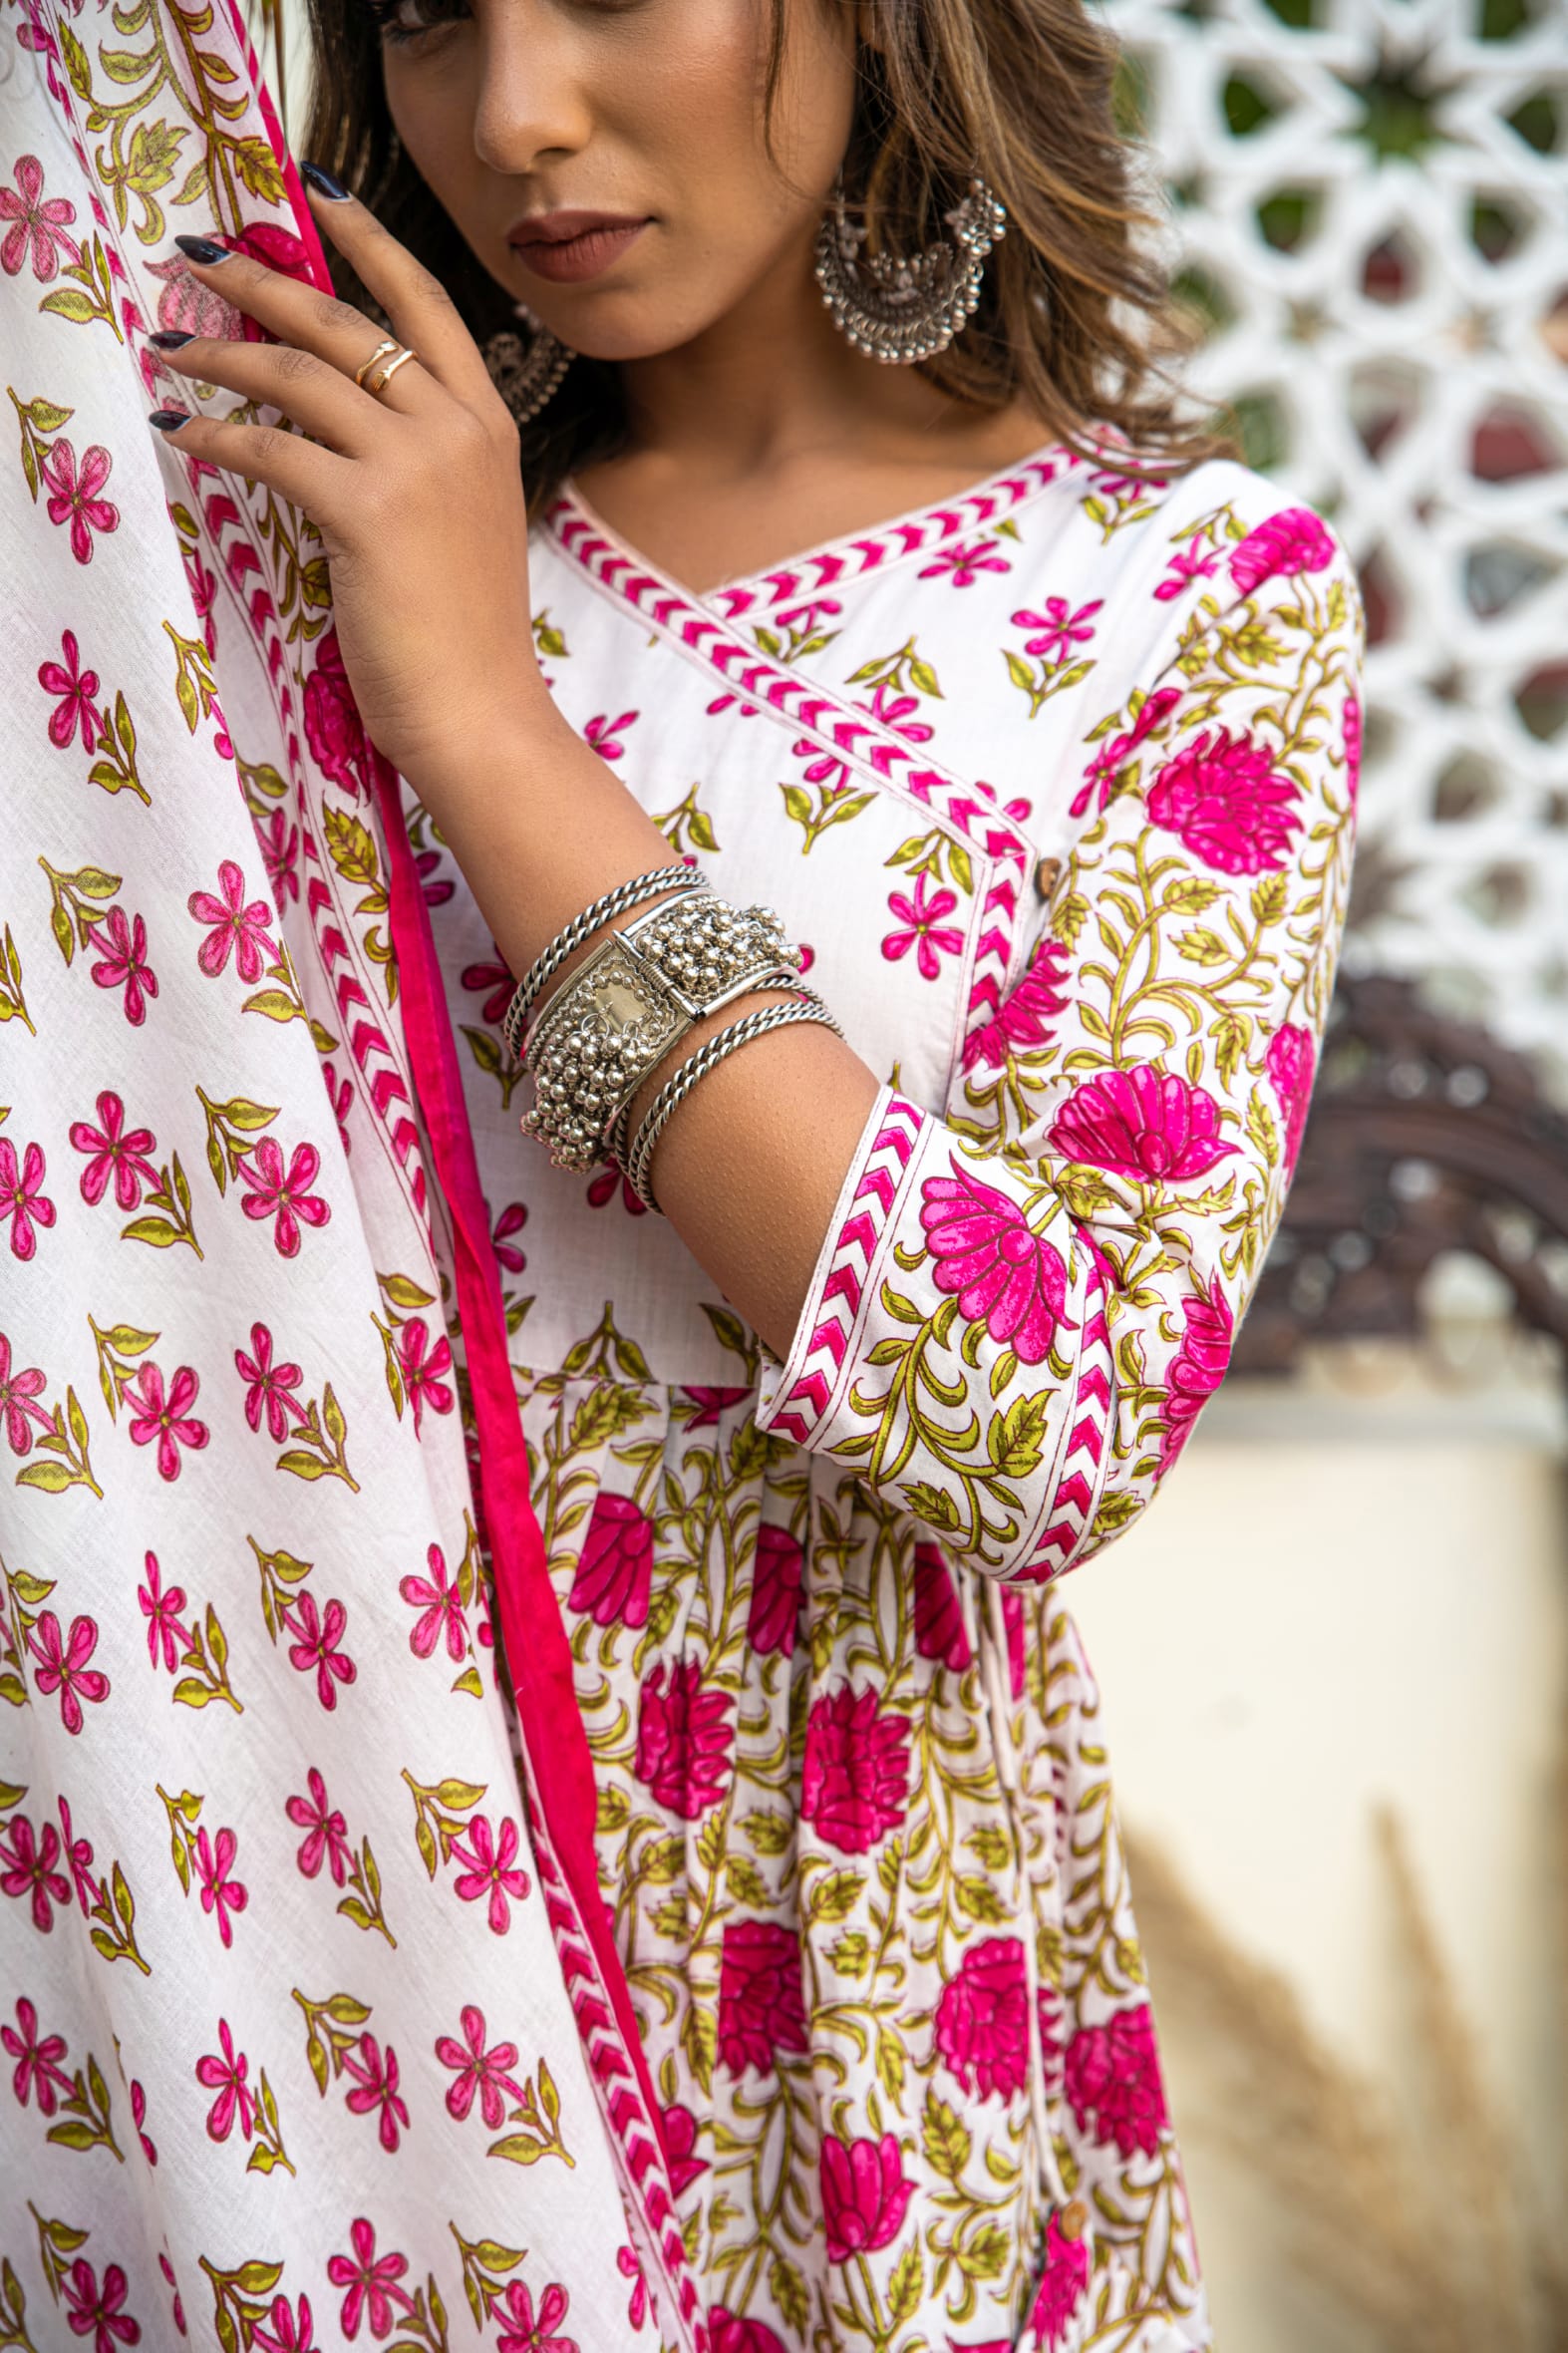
903,311
526,375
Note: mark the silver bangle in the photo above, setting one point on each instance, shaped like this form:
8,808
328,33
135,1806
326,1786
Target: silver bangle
762,975
629,1004
806,1006
603,910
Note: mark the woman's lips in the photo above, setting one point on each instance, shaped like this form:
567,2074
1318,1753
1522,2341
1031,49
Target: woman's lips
567,249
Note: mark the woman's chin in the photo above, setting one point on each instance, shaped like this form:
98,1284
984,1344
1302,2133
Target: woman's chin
621,341
618,323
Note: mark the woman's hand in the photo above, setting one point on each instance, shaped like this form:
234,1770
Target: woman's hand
417,492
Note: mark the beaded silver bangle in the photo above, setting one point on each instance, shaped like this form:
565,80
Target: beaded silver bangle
607,1029
806,1006
581,927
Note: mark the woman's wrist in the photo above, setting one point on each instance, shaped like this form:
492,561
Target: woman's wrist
539,827
475,770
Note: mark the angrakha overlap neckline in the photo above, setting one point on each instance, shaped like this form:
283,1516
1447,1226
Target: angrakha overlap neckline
875,546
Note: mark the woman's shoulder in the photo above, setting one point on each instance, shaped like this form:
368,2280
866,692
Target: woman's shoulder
1152,557
1138,520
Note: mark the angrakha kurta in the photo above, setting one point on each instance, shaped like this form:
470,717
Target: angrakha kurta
1057,785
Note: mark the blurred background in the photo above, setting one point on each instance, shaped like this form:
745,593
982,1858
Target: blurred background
1334,1657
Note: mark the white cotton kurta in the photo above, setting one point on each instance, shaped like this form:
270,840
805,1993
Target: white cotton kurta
1054,784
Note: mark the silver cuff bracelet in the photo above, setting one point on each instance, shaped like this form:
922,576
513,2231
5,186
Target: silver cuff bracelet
604,909
628,1004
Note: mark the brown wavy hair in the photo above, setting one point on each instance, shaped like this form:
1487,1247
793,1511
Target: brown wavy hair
1076,319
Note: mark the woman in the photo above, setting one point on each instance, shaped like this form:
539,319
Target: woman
879,1323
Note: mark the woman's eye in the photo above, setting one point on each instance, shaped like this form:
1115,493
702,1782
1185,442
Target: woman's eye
406,20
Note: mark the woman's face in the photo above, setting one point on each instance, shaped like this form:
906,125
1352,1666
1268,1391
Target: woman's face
647,113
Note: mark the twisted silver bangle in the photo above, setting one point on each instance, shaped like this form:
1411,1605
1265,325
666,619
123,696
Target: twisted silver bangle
807,1006
603,910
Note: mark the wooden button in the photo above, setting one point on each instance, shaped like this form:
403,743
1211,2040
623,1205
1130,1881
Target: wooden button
1046,874
1072,2220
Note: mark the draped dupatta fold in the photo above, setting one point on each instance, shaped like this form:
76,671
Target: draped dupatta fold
275,2078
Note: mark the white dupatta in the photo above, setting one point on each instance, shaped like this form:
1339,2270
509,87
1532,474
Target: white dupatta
308,2036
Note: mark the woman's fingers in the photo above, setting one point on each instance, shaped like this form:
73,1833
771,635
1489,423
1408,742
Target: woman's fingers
308,390
307,319
422,314
298,470
422,311
308,372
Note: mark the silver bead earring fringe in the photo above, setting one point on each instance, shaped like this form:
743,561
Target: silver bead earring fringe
526,375
903,311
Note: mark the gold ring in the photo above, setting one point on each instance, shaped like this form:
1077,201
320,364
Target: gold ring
361,372
381,377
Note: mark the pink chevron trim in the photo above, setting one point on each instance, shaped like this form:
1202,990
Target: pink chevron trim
381,1067
626,2116
846,1282
807,1400
861,1229
884,1183
803,703
1075,1489
1082,1464
1089,1433
831,1335
904,1123
914,534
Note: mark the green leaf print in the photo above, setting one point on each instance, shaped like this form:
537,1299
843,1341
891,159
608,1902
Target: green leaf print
945,2138
700,2042
834,1894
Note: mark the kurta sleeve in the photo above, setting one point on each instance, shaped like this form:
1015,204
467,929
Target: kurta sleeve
1022,1303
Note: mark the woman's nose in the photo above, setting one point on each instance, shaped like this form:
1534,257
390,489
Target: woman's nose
534,102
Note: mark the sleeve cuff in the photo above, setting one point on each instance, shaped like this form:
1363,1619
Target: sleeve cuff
797,1398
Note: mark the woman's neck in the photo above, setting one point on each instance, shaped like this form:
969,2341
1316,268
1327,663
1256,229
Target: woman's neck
772,383
769,433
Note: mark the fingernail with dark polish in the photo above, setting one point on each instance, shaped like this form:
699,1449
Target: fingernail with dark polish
201,250
324,184
171,338
167,419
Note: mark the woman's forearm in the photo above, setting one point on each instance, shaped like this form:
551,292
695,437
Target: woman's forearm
750,1163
